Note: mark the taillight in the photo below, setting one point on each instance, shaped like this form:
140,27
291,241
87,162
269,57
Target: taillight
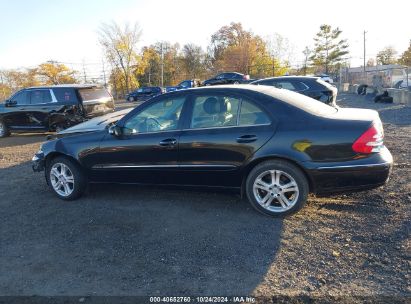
370,141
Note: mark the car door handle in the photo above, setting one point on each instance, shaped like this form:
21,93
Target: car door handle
246,138
22,108
168,142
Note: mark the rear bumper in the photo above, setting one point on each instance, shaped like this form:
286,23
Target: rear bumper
365,174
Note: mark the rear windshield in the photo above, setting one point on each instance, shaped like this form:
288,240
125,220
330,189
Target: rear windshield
93,94
300,101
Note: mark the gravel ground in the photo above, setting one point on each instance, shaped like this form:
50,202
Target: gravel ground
128,240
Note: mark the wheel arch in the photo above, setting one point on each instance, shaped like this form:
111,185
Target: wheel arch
255,162
53,155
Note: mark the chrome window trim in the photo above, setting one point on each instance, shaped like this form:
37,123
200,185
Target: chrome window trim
115,166
354,166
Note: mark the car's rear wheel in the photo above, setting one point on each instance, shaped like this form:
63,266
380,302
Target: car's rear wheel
131,99
4,131
236,82
277,188
65,178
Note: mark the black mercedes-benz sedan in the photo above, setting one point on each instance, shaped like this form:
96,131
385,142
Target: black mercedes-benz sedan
274,146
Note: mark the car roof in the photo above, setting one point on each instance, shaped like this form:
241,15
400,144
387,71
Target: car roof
73,85
288,77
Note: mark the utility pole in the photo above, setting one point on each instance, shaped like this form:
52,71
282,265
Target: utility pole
84,72
162,64
365,75
306,53
104,74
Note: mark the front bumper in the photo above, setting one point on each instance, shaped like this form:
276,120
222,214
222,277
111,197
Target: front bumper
38,162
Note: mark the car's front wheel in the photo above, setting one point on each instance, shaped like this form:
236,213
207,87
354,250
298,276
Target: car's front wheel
65,178
277,188
4,131
131,99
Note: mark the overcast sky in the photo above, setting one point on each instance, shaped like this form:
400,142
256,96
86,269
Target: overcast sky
32,32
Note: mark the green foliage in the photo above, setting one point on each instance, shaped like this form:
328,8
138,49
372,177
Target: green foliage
329,50
387,56
405,58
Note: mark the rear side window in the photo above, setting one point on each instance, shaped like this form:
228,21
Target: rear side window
252,115
65,95
40,96
93,94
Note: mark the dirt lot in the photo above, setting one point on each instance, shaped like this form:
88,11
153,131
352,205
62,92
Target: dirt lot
127,240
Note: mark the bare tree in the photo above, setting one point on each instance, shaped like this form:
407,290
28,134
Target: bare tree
119,44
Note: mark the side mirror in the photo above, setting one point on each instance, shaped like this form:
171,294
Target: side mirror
11,103
115,131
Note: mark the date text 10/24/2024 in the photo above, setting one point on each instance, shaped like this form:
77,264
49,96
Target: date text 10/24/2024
203,299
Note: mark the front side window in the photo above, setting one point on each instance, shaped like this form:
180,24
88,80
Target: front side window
40,96
94,94
21,98
161,116
214,111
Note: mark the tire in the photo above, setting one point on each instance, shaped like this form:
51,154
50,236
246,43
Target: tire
277,202
131,99
75,188
4,131
236,82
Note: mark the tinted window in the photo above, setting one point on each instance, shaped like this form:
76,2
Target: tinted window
93,94
237,76
185,84
21,98
221,76
65,94
40,96
160,116
252,115
214,111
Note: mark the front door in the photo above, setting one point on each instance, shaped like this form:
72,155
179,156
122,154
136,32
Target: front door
223,132
16,113
148,150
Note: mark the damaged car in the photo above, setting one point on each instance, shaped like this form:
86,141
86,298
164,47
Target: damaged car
53,108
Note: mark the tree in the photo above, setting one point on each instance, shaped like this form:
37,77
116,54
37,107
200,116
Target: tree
329,50
54,73
405,58
387,56
234,49
370,62
119,44
193,58
306,53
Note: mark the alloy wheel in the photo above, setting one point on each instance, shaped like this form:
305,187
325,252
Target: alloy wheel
276,190
62,179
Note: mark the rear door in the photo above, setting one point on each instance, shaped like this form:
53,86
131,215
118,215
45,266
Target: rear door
222,132
96,101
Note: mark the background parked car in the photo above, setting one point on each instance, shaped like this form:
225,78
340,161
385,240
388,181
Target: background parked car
227,78
144,93
313,87
53,108
325,77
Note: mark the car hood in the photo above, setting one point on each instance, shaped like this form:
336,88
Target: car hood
96,124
